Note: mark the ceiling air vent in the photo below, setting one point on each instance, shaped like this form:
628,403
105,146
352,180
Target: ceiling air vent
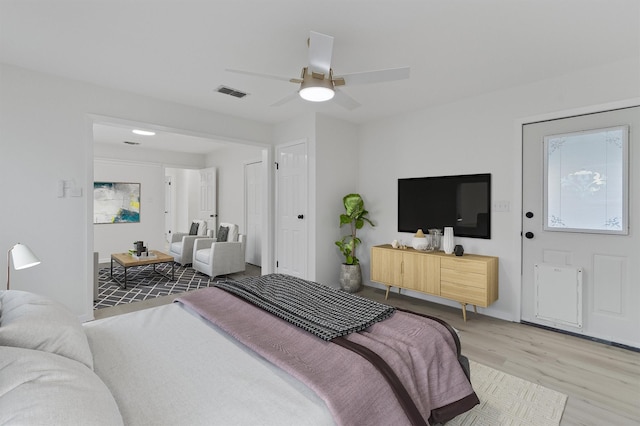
131,143
231,92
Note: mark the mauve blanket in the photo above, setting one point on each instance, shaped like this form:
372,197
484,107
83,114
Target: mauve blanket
422,353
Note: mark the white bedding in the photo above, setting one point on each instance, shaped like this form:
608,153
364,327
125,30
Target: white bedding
166,366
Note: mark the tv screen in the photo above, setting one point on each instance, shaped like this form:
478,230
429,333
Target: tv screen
463,202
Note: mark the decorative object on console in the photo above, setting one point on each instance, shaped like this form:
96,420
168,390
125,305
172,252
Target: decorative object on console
434,239
447,242
22,257
398,245
420,241
458,250
355,215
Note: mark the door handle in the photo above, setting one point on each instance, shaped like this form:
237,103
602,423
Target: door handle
529,235
529,215
300,216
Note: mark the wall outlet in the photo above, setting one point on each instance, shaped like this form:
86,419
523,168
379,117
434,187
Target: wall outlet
501,206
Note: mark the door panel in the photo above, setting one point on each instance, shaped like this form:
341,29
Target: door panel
292,250
610,263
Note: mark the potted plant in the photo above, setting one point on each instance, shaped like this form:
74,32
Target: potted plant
355,216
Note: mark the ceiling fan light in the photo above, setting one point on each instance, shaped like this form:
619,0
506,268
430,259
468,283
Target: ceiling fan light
316,89
316,94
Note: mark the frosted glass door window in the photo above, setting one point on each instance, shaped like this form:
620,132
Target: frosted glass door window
586,181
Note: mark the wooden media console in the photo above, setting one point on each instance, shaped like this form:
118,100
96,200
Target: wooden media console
470,279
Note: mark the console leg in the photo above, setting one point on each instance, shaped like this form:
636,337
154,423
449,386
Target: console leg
464,311
386,296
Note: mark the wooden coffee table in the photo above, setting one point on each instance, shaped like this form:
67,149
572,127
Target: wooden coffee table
127,261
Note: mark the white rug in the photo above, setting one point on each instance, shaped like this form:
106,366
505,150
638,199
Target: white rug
509,400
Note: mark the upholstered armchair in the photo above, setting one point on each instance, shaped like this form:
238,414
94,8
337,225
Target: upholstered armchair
214,258
181,246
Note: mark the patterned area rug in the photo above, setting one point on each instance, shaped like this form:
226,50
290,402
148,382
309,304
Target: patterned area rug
143,284
509,400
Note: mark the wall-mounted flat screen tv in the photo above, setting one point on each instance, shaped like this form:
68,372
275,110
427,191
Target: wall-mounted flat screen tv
463,202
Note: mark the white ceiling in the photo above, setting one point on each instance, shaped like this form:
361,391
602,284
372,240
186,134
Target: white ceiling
178,50
118,134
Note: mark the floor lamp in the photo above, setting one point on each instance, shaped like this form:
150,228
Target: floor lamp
22,257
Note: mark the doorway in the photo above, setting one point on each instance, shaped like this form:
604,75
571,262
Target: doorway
185,154
579,211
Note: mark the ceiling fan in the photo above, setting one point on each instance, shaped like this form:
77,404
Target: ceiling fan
317,82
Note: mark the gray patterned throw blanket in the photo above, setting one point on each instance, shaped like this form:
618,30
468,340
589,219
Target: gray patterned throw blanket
323,311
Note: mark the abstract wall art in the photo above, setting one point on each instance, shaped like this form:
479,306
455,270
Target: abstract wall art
116,202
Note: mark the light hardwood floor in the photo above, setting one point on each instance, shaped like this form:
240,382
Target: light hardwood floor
601,381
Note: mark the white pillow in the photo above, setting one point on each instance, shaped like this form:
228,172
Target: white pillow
32,321
233,231
41,388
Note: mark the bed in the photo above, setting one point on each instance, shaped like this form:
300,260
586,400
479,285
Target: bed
271,350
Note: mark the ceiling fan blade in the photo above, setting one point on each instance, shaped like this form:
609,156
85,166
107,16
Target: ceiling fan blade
286,99
345,100
255,74
320,51
379,76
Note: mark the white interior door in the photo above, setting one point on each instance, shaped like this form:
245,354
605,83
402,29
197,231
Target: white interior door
291,211
253,210
209,197
577,245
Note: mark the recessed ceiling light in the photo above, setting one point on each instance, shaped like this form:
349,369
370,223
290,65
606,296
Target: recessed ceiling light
143,132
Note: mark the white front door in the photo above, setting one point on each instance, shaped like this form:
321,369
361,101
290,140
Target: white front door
253,190
291,210
581,262
208,205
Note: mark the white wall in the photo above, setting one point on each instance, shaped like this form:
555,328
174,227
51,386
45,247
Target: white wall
229,162
46,135
336,150
119,237
477,135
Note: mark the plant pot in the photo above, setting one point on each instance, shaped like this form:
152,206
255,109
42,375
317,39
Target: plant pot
350,278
